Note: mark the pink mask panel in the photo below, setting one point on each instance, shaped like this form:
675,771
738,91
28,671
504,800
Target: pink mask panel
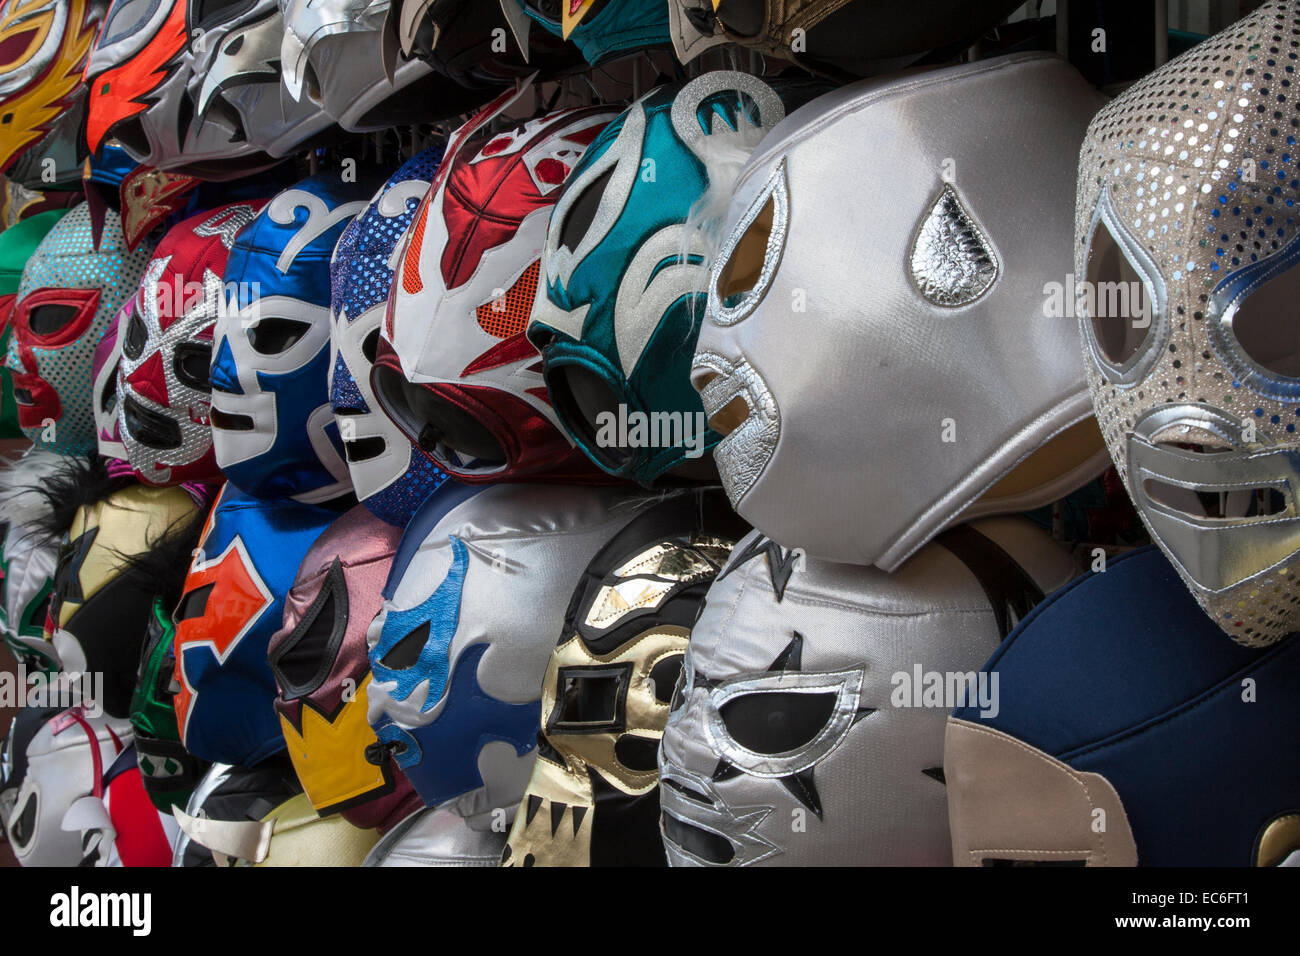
320,665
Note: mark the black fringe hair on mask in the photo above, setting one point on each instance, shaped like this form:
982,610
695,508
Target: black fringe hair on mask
81,482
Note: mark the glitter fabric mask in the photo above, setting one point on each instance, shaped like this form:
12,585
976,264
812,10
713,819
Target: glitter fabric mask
165,343
70,292
1187,233
390,476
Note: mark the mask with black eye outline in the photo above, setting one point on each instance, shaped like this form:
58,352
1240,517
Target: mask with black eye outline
165,345
614,346
319,660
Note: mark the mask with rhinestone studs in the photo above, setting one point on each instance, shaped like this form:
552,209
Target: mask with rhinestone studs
1188,239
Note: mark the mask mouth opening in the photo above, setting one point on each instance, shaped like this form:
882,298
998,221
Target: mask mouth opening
230,421
698,842
449,434
729,417
1216,504
148,427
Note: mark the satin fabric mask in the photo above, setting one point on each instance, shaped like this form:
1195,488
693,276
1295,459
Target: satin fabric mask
937,314
802,733
621,292
272,425
319,661
232,604
618,28
475,597
454,369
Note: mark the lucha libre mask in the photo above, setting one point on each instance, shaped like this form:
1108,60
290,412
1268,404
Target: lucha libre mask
457,668
100,608
809,724
166,350
388,475
433,837
123,828
53,759
43,50
17,244
227,823
236,84
233,602
951,312
1186,240
168,772
617,28
103,384
333,55
454,368
622,287
607,688
320,664
272,425
834,37
136,75
69,293
1128,744
28,555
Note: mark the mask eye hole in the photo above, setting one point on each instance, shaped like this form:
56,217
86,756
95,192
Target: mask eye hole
776,722
1267,327
273,336
194,604
136,337
591,700
47,320
370,345
24,827
303,660
1120,311
108,397
192,363
744,267
406,653
582,213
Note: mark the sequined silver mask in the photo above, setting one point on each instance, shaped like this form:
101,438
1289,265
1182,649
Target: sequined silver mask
878,358
1186,252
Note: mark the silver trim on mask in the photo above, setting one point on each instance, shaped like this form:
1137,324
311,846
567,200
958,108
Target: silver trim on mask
847,686
952,260
742,455
1140,362
777,188
1214,553
739,827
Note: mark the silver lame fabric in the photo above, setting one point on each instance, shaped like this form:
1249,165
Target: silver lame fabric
526,547
1192,174
885,310
838,630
